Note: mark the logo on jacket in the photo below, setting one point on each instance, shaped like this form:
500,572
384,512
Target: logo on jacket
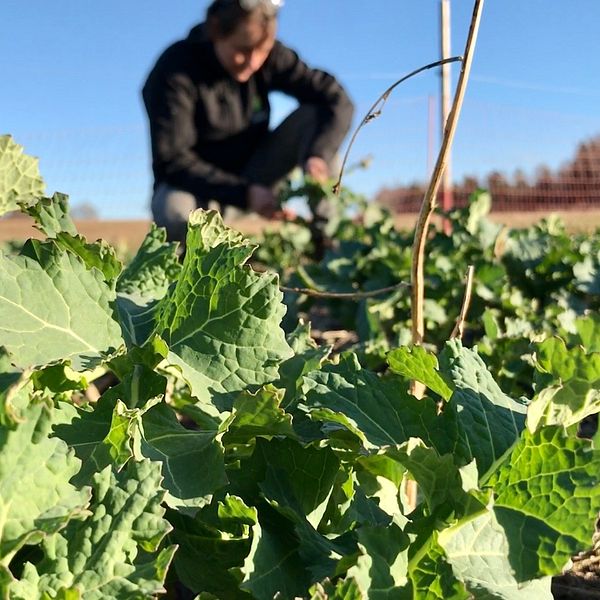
259,111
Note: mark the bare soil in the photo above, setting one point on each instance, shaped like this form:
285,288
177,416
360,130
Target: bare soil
129,234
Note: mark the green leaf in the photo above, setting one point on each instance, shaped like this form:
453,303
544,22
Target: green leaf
418,364
15,389
221,320
137,317
141,381
438,478
307,357
345,589
319,554
101,436
547,498
258,415
274,567
52,215
20,179
192,462
86,427
588,328
563,405
382,565
575,396
431,576
490,421
58,379
553,357
207,559
378,410
55,309
479,552
310,471
140,385
36,498
349,507
113,553
143,283
152,269
100,255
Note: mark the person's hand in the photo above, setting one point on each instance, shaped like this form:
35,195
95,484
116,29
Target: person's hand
285,214
261,200
317,168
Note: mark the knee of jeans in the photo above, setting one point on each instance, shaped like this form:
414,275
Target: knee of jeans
171,205
309,113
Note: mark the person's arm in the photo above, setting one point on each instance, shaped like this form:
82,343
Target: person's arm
292,76
171,104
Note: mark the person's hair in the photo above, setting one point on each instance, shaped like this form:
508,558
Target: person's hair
224,16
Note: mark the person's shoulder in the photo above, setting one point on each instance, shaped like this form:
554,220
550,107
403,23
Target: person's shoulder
280,56
186,58
175,56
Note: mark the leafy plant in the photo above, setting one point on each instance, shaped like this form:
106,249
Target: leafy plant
244,463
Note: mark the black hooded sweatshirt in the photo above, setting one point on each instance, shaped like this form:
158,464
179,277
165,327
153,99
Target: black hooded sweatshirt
204,125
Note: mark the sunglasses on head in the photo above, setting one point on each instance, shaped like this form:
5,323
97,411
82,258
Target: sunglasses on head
272,6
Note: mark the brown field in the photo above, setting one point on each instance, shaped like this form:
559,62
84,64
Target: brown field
129,234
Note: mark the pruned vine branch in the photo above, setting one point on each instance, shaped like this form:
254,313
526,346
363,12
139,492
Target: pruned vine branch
459,328
344,295
377,108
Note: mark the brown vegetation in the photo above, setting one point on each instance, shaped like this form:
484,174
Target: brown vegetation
575,185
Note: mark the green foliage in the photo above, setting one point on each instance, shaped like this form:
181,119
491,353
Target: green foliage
242,463
20,180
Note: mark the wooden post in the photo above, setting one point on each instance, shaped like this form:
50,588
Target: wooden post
446,81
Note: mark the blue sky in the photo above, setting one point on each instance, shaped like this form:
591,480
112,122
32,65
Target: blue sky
72,71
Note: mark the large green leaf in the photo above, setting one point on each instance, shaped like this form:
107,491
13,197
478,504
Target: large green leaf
309,471
36,498
55,309
20,179
490,421
479,552
192,462
378,410
208,559
113,554
547,498
274,566
221,320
